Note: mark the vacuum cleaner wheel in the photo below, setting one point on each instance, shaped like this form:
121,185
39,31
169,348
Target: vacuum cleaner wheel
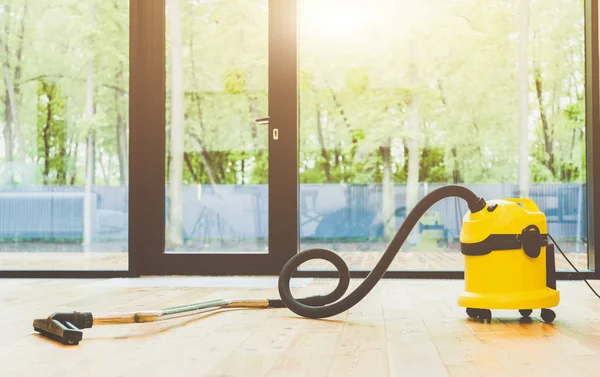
483,315
548,315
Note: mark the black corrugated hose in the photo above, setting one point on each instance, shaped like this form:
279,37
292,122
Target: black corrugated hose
327,305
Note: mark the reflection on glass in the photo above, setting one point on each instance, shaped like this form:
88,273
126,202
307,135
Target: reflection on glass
217,160
63,148
399,97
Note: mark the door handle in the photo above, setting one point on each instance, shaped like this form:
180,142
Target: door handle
264,120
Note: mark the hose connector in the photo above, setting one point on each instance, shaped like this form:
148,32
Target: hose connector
81,320
477,206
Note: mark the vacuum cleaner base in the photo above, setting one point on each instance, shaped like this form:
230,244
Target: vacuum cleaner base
478,305
538,299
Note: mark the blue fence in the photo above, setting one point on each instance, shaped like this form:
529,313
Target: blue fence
327,211
353,211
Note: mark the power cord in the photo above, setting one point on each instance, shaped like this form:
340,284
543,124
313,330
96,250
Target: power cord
575,268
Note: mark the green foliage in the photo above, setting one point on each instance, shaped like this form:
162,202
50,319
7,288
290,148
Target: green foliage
575,113
357,80
304,81
432,167
234,81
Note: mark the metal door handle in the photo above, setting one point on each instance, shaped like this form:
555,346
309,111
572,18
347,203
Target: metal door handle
264,120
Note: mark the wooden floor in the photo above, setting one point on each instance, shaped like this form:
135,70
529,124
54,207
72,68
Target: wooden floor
402,328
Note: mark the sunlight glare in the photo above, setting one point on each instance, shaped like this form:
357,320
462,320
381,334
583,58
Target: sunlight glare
342,21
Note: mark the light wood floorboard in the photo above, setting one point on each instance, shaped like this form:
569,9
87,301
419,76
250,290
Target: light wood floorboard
402,328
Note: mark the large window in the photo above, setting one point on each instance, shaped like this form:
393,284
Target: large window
64,140
398,97
129,141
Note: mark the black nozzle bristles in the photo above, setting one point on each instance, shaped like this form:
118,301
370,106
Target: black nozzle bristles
64,327
65,333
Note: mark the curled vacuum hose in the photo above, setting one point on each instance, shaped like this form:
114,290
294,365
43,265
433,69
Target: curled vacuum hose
328,306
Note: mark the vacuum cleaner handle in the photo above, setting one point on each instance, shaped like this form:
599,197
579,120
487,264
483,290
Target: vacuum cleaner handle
528,204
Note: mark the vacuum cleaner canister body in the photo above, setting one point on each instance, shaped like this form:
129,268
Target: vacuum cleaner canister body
509,263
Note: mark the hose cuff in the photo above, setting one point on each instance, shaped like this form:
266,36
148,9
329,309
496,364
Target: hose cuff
276,303
86,319
81,320
478,205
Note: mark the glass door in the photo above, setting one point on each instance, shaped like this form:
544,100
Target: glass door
229,136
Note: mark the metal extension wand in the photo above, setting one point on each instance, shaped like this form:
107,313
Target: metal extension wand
66,327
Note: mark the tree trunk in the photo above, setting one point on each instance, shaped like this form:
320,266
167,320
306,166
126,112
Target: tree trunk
389,197
121,133
456,177
190,167
90,165
206,160
252,109
523,101
61,174
14,110
412,189
12,126
213,177
222,160
8,140
243,168
549,155
61,139
412,181
324,154
338,104
46,132
17,86
175,227
7,132
74,159
105,172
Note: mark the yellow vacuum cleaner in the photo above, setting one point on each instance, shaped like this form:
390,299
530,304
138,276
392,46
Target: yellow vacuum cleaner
509,264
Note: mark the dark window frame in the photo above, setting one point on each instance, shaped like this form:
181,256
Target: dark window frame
282,218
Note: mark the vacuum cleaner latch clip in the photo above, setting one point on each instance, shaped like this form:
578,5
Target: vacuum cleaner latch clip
532,241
